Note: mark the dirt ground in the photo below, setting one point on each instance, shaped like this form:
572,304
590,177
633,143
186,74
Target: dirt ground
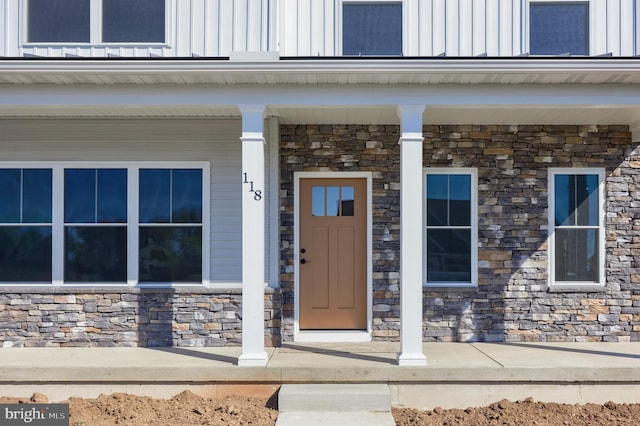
188,408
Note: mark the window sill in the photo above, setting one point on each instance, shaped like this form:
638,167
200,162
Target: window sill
70,289
441,287
576,288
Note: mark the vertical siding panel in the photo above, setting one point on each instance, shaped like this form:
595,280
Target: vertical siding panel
439,27
452,34
465,25
211,28
479,27
636,28
304,27
517,28
6,28
613,26
289,30
411,26
626,28
506,27
598,37
254,30
198,33
240,22
425,27
183,29
331,32
12,28
318,27
493,23
225,25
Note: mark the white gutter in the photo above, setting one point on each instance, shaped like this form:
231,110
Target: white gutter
320,66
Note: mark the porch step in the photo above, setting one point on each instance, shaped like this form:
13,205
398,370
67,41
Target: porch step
332,404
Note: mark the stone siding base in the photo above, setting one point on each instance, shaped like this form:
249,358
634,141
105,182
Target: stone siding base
129,317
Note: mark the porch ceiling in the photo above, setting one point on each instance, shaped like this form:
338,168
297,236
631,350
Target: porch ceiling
331,91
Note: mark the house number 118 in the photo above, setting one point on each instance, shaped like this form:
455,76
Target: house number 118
257,194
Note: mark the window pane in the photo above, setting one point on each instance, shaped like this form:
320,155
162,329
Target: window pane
80,195
10,195
559,28
171,254
36,197
372,29
155,196
460,200
59,20
576,255
187,196
333,200
437,200
347,203
317,201
133,21
576,200
112,196
25,254
587,200
449,255
95,254
564,200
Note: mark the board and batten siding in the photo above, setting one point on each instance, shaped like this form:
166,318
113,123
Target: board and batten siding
212,28
215,28
213,140
456,27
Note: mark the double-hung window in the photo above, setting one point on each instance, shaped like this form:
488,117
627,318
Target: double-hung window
25,225
119,223
371,28
576,217
559,27
96,21
451,227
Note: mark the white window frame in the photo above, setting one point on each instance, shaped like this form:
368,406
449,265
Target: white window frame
95,28
133,225
339,9
600,172
473,173
591,26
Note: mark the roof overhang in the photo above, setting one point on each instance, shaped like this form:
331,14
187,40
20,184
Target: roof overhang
330,90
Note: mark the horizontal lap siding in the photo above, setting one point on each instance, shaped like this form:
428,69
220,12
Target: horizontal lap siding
213,140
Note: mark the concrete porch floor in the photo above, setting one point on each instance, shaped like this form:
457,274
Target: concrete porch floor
457,375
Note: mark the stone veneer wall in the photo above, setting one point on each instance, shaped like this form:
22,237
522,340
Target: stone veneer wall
512,302
129,317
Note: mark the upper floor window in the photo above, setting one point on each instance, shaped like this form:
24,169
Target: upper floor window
372,28
451,227
576,226
114,21
559,27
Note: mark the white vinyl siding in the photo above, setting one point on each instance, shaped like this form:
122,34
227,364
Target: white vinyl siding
455,27
215,28
216,141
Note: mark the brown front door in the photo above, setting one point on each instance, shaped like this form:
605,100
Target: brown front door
333,254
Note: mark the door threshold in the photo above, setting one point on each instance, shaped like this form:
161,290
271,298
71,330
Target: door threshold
332,336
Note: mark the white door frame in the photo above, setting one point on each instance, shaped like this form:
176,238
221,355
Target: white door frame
331,335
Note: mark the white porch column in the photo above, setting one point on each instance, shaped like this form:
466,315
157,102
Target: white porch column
253,228
411,256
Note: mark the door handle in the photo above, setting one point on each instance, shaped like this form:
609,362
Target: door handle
303,261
